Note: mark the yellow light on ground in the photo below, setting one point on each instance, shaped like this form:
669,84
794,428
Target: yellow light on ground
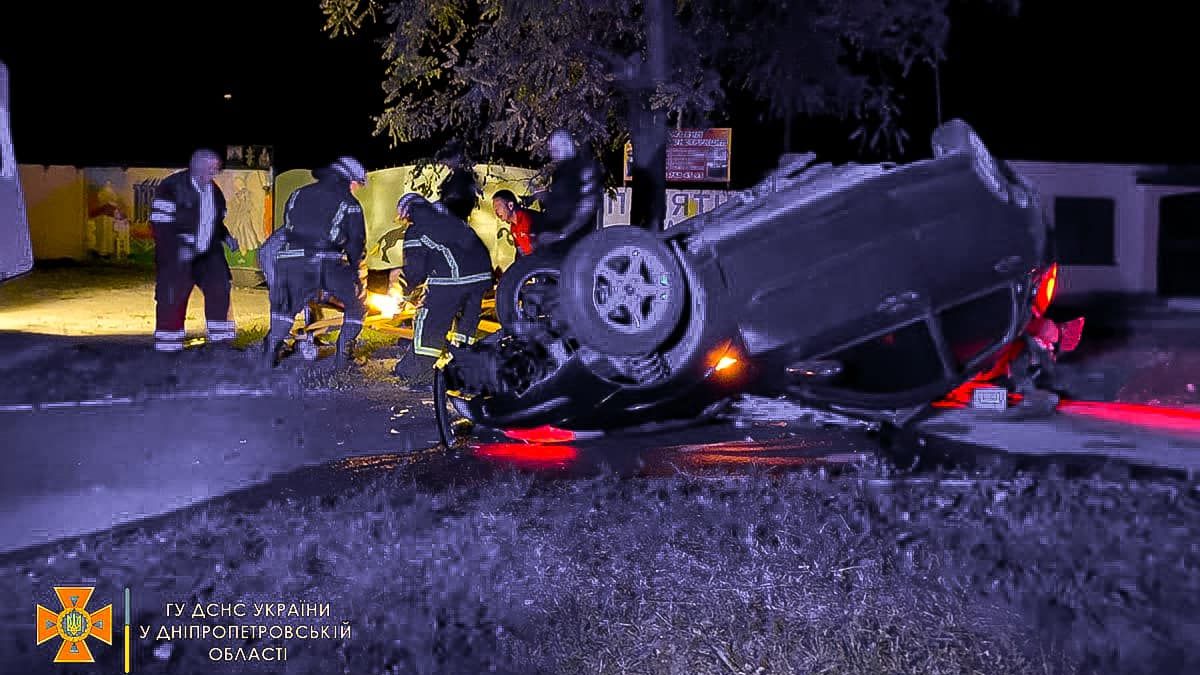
725,362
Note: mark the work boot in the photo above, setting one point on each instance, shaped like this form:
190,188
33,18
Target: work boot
344,357
272,353
416,371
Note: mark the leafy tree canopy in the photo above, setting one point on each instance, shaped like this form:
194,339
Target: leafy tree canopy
502,74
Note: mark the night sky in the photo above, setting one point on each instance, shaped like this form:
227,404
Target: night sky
140,83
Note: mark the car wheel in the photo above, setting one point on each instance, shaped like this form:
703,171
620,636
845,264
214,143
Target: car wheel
622,291
525,272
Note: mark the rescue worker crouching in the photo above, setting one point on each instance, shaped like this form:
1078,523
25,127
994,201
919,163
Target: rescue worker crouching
324,244
445,255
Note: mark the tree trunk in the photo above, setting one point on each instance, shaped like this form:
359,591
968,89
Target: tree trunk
649,127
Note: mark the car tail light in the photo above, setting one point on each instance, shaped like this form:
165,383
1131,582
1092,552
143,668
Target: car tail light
1046,287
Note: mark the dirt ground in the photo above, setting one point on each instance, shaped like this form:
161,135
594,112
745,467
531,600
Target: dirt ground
105,300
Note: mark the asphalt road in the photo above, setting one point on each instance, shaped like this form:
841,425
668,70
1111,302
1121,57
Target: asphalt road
73,471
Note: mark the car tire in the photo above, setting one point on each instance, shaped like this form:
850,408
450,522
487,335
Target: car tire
508,291
654,291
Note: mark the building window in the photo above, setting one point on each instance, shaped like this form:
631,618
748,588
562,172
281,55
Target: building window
1085,230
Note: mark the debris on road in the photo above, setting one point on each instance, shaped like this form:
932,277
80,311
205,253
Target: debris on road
759,409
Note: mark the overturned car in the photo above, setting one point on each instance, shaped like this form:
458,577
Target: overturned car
867,290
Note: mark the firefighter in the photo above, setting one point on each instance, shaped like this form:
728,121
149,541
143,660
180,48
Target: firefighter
188,219
323,252
446,256
573,199
460,191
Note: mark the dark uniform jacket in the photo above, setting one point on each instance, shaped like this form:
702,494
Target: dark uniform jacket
573,199
443,250
175,214
460,192
325,217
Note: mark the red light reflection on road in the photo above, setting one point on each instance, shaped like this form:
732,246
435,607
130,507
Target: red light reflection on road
542,434
1185,420
528,454
1160,418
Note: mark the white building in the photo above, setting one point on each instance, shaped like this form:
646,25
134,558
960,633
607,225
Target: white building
1122,228
1119,228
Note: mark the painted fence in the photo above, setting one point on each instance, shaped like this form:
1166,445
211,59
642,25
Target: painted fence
103,212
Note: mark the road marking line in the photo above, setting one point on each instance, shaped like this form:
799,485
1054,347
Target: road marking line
221,391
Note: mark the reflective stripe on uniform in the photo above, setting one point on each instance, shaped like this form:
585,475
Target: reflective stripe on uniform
334,229
168,340
445,251
459,281
221,330
418,334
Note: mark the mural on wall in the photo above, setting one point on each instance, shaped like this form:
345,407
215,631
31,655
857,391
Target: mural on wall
118,212
247,205
117,226
384,188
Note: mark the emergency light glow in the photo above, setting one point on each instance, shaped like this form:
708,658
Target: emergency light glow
384,304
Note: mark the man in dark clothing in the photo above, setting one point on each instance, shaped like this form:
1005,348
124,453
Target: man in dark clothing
459,191
323,250
187,216
446,256
574,197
